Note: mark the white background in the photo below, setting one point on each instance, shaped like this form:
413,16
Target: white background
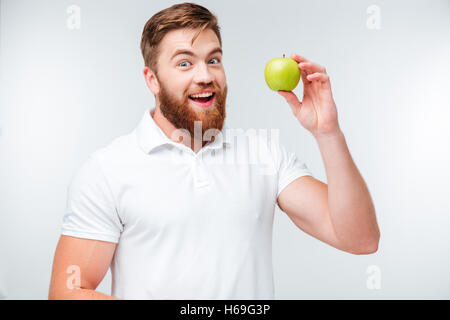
65,93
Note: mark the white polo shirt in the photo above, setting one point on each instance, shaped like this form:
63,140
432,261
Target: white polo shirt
187,225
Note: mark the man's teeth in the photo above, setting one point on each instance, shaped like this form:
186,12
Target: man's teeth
202,95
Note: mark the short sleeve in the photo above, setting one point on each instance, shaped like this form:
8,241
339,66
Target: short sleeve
290,167
91,212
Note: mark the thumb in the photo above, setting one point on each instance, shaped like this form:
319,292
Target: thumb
292,100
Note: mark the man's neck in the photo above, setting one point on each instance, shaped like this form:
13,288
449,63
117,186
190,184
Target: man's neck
170,131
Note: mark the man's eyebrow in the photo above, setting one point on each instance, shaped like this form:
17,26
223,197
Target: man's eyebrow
190,53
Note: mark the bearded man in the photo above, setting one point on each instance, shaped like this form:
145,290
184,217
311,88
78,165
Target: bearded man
174,223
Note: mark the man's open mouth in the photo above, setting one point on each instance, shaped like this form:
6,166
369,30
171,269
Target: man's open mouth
202,98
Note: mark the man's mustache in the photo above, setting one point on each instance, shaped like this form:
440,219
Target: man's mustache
215,89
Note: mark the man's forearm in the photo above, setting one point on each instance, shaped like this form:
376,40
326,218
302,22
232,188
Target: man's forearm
350,205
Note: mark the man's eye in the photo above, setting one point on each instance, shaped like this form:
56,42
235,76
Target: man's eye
184,62
215,59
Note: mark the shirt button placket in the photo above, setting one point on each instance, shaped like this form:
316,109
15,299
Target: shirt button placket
200,173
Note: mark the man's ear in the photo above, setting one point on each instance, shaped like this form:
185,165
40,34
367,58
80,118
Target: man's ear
151,80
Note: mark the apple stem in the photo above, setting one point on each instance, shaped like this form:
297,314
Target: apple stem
283,55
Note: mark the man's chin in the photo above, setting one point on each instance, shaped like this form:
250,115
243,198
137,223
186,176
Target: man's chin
184,114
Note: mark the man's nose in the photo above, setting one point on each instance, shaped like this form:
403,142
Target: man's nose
203,74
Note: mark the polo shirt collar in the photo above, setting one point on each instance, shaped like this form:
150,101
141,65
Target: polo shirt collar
150,136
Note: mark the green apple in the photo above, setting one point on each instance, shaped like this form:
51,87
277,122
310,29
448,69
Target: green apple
282,74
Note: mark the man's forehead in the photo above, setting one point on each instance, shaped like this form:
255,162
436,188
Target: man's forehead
182,39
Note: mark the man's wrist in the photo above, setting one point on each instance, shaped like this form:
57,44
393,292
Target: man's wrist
329,136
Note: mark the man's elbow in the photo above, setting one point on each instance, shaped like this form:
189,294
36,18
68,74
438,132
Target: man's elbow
367,249
370,245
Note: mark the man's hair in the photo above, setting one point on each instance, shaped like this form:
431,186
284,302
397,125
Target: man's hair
178,16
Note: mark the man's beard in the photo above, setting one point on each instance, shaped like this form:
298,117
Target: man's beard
182,115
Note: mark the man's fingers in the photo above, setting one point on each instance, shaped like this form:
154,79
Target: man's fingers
305,81
311,67
301,59
298,58
322,77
